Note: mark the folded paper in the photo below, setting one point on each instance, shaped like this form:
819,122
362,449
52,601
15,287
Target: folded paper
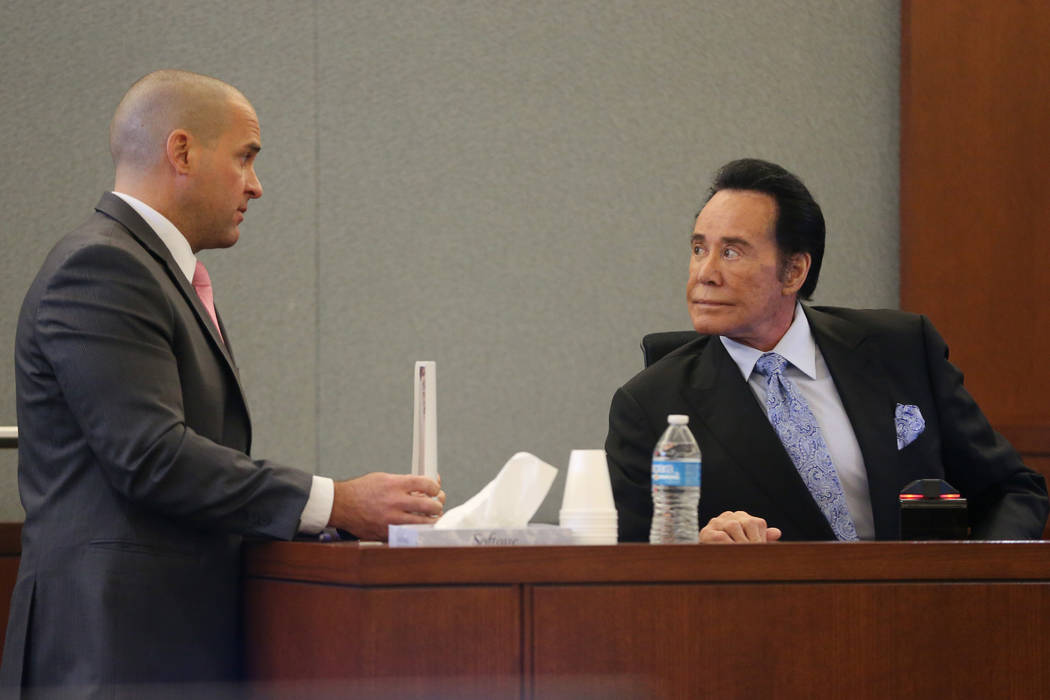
910,424
509,500
424,425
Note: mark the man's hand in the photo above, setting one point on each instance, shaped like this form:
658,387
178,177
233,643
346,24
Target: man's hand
738,527
367,505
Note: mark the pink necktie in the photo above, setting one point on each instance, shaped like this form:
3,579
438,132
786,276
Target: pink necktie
202,284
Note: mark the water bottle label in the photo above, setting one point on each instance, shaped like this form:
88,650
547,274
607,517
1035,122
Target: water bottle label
676,472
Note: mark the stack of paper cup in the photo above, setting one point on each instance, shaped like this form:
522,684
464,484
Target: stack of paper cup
587,507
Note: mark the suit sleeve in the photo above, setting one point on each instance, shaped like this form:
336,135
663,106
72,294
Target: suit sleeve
105,328
628,448
1006,500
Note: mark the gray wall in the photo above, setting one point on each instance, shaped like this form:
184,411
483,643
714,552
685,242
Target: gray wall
506,188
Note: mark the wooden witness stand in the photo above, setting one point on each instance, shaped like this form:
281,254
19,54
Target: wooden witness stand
895,619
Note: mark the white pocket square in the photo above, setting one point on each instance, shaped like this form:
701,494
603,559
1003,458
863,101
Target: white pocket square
910,424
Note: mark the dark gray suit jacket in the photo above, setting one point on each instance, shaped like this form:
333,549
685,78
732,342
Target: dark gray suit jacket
877,360
133,471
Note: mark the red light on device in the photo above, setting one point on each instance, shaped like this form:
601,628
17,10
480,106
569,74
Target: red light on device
930,509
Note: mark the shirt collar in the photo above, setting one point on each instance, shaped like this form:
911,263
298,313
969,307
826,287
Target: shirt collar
172,238
797,347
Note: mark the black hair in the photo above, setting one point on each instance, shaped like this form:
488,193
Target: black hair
799,225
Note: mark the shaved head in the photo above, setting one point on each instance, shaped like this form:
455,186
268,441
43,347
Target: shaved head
161,102
185,144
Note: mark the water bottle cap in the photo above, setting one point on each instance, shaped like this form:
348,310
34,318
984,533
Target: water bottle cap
678,419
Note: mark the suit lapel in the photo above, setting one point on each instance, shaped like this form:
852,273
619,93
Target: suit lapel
226,341
119,210
860,380
725,404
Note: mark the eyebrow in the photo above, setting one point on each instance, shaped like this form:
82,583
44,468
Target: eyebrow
728,240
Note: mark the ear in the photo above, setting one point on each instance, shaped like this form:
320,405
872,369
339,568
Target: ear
796,268
177,148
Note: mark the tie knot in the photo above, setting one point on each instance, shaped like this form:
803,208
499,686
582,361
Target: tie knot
201,279
770,364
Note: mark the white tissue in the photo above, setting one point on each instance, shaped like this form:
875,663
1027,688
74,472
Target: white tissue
509,500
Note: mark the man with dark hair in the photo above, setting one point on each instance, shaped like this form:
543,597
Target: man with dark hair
810,419
799,224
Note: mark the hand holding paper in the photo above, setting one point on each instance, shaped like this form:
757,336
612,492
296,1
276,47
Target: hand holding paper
367,505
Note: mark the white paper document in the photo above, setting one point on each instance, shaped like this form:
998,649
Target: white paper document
424,423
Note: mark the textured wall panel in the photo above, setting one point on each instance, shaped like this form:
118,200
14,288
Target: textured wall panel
505,188
508,189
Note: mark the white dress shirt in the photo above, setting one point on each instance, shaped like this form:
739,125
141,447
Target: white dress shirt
318,507
807,370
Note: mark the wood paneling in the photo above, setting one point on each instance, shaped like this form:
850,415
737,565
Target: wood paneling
858,620
312,640
10,539
894,619
783,640
350,563
975,252
10,549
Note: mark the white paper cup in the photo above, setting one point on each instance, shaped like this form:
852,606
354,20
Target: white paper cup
583,528
594,539
597,516
586,524
591,526
587,485
594,536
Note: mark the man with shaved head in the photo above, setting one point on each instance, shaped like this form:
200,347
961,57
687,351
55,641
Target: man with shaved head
134,429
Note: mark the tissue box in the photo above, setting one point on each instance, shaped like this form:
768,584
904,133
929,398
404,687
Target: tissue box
427,536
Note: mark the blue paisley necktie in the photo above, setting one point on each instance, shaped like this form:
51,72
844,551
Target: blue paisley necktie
797,428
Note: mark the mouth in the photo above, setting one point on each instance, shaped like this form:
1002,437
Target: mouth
710,304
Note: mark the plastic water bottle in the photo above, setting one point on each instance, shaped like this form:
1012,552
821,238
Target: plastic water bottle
676,485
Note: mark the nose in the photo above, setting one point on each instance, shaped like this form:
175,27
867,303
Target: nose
253,187
708,270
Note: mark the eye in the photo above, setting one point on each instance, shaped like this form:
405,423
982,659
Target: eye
698,249
730,253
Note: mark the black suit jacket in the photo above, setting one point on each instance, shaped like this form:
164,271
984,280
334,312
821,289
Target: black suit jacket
877,359
133,471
